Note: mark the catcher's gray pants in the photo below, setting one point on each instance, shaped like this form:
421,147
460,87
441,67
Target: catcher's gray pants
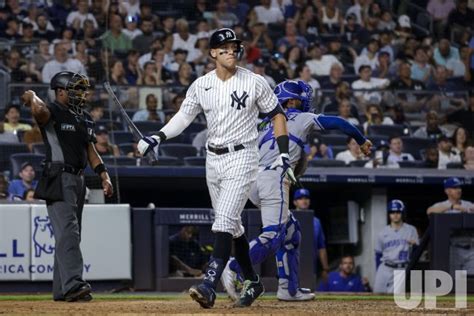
66,218
384,280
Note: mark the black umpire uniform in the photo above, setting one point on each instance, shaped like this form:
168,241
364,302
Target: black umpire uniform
68,133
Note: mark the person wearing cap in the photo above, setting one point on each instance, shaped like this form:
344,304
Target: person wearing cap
259,69
103,145
393,248
302,202
446,153
318,63
17,187
461,252
131,27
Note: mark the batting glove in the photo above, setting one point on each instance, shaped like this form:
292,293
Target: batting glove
283,161
147,144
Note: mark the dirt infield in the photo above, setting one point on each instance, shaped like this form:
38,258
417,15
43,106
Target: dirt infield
184,305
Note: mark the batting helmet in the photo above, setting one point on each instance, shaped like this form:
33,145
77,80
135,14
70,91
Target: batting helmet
76,86
395,206
226,35
292,89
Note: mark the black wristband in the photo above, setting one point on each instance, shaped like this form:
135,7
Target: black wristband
283,142
161,135
100,168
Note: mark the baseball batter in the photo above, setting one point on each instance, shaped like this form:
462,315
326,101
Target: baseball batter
231,98
393,248
270,193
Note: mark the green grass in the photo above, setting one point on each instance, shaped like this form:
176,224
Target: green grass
177,296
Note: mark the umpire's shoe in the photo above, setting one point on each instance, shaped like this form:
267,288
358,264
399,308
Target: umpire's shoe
250,292
81,293
204,294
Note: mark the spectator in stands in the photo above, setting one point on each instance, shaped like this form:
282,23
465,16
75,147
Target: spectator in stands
89,35
302,202
114,39
96,111
27,44
368,56
446,152
14,8
76,19
303,73
180,56
151,112
293,57
344,280
43,28
150,76
367,82
167,25
421,70
103,145
461,16
182,39
12,32
454,203
42,56
131,27
345,55
6,136
199,56
380,158
3,187
469,158
142,42
117,73
465,116
398,116
335,77
223,17
353,32
460,140
342,92
12,120
382,70
352,153
409,101
32,136
278,70
177,101
14,67
319,150
432,128
318,63
431,159
344,111
259,69
266,14
259,37
240,9
386,22
17,187
291,37
445,100
132,68
439,11
186,255
29,195
308,22
331,18
200,10
396,153
61,62
184,76
445,53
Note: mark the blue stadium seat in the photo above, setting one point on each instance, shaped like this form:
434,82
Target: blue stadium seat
178,150
326,163
358,163
148,126
119,161
121,137
111,125
16,160
166,161
455,165
39,148
126,148
195,161
6,150
387,130
334,139
411,164
413,145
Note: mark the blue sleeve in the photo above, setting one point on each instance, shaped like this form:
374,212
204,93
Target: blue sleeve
324,286
334,122
359,287
319,239
378,259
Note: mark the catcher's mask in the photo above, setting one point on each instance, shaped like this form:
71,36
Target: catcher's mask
76,86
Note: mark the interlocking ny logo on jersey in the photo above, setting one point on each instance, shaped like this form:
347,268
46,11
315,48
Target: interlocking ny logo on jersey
239,100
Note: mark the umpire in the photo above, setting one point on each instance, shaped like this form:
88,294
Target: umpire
68,133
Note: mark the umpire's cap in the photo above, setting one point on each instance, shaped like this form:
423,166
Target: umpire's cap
395,206
222,36
301,193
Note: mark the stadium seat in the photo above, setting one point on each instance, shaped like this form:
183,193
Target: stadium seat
195,161
167,161
119,161
147,126
413,145
39,148
455,165
358,163
178,150
6,150
16,160
411,164
326,163
387,130
126,148
336,140
338,149
111,125
180,139
121,137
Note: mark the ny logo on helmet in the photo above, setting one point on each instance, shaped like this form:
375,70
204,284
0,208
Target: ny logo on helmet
239,100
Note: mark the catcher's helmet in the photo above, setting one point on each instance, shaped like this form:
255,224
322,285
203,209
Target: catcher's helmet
292,89
395,206
76,86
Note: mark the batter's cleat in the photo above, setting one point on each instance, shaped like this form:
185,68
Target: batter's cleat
230,282
301,295
203,294
250,292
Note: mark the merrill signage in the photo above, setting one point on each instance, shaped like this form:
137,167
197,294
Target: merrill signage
27,242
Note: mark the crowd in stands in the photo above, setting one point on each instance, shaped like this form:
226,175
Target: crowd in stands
372,62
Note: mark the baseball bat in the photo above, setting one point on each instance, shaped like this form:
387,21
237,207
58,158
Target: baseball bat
133,128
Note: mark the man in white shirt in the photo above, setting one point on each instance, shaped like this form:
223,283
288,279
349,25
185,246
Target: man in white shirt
61,62
182,38
267,14
366,82
352,153
76,18
319,64
454,203
446,153
396,153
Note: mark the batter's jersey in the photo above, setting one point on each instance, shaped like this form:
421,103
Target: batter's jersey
300,124
231,107
393,244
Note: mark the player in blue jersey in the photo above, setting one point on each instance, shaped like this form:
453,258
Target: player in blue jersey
270,192
344,280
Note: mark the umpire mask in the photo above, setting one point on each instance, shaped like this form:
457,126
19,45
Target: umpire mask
76,86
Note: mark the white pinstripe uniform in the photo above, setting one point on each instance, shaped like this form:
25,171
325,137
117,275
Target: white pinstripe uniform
231,108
